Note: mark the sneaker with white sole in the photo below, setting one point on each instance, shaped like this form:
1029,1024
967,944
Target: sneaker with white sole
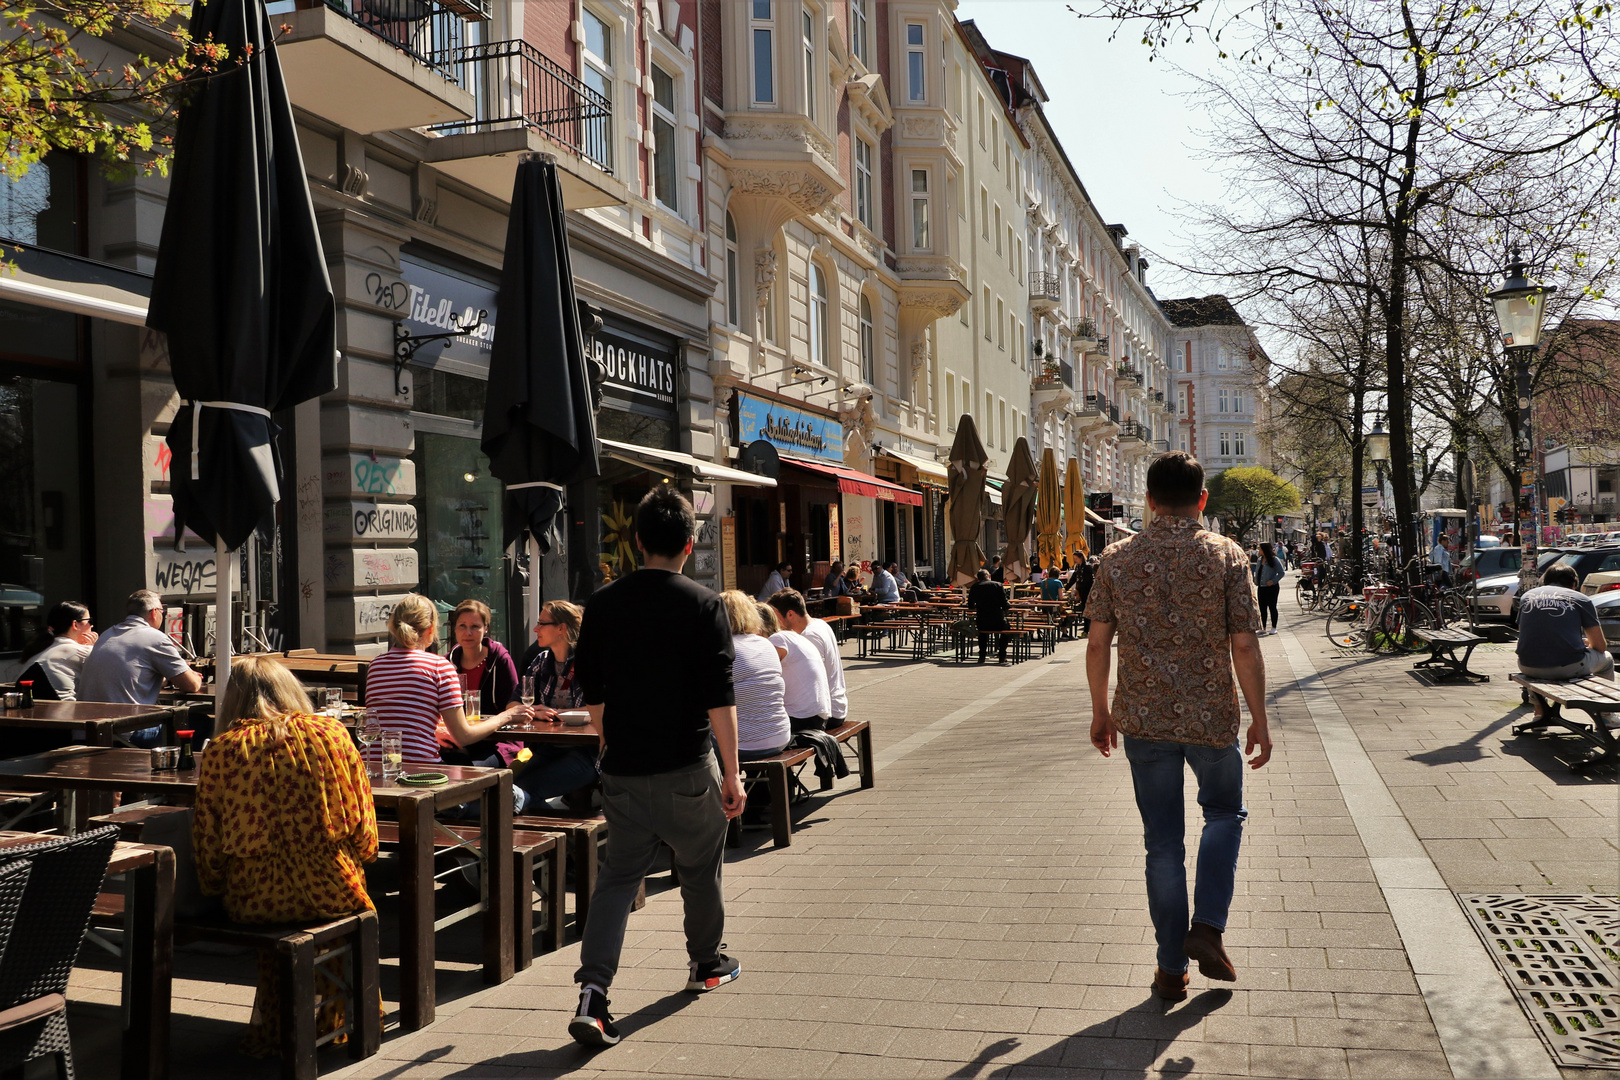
593,1024
714,973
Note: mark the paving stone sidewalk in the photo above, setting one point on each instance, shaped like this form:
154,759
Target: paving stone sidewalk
981,912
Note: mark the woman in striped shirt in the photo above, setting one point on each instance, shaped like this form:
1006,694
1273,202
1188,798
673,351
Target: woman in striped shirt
408,690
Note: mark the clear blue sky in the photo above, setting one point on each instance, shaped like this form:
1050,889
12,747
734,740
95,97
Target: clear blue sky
1126,131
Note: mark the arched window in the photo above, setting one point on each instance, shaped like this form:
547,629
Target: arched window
733,288
868,344
818,315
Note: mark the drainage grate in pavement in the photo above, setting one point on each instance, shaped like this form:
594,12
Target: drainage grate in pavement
1560,953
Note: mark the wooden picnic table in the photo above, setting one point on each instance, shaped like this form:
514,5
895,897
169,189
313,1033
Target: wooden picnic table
76,769
148,951
99,720
415,807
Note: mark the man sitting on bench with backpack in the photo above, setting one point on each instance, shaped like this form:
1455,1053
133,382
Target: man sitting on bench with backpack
1559,635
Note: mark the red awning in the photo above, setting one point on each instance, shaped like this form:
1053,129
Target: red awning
851,482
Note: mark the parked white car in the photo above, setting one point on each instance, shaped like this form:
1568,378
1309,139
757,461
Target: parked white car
1494,597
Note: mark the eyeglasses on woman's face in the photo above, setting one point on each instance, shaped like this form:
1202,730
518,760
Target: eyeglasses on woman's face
538,623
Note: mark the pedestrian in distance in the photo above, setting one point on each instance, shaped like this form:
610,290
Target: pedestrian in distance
1183,604
655,658
1268,575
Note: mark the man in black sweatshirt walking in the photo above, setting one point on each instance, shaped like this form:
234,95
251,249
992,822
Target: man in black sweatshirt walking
654,658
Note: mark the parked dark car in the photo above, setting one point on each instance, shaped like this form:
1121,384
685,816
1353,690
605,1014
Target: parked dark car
1490,562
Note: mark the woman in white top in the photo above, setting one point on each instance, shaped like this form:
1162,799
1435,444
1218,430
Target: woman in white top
63,643
756,674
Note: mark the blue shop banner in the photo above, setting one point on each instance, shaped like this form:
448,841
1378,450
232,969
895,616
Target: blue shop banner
792,431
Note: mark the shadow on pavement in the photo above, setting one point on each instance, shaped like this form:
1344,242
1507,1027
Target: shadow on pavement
1126,1046
567,1055
1468,749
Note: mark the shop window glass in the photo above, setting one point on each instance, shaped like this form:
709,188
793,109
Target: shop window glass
41,519
41,207
36,333
733,312
444,394
460,539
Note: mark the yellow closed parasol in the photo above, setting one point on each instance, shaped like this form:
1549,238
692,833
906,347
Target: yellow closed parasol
1048,513
1074,510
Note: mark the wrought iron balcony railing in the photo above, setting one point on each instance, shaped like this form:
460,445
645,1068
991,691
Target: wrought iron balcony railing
1045,285
515,84
423,30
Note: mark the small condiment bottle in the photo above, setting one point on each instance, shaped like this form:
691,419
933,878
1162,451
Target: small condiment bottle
27,688
187,761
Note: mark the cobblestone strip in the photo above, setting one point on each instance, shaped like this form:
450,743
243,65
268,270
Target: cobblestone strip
1482,1030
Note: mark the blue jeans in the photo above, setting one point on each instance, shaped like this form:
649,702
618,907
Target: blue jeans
1156,773
554,771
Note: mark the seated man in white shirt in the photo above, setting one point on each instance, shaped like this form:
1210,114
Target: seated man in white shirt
790,607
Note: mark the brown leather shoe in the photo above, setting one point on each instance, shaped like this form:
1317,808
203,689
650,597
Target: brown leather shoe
1203,944
1169,987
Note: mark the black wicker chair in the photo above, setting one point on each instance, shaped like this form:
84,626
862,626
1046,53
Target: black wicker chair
64,879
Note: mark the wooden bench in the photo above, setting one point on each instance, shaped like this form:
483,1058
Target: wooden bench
1595,697
838,624
878,630
778,772
585,835
1443,645
529,849
300,948
861,732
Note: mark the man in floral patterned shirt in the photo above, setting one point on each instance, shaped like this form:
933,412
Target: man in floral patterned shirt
1183,603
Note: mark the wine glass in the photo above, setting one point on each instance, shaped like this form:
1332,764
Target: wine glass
366,736
526,690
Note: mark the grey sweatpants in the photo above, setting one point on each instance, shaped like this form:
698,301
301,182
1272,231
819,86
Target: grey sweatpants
681,809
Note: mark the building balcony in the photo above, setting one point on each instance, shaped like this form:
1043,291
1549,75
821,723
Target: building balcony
1126,375
1131,432
369,65
781,159
1098,416
1045,292
1048,393
527,103
934,285
1085,334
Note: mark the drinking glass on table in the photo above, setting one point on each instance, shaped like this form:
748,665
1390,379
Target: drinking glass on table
334,701
470,705
526,690
393,754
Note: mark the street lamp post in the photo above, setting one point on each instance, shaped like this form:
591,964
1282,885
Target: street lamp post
1378,454
1520,307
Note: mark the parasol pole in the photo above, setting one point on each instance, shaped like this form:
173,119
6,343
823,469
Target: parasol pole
224,564
531,599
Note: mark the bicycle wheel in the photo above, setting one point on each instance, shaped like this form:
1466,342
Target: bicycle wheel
1400,621
1345,627
1453,608
1303,596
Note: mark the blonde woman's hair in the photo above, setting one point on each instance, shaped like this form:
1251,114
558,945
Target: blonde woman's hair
411,623
261,689
568,616
741,611
769,622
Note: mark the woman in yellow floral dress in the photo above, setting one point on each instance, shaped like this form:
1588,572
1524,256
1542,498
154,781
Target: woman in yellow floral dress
283,820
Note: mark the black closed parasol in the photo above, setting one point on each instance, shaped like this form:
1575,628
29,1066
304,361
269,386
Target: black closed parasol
539,425
240,289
